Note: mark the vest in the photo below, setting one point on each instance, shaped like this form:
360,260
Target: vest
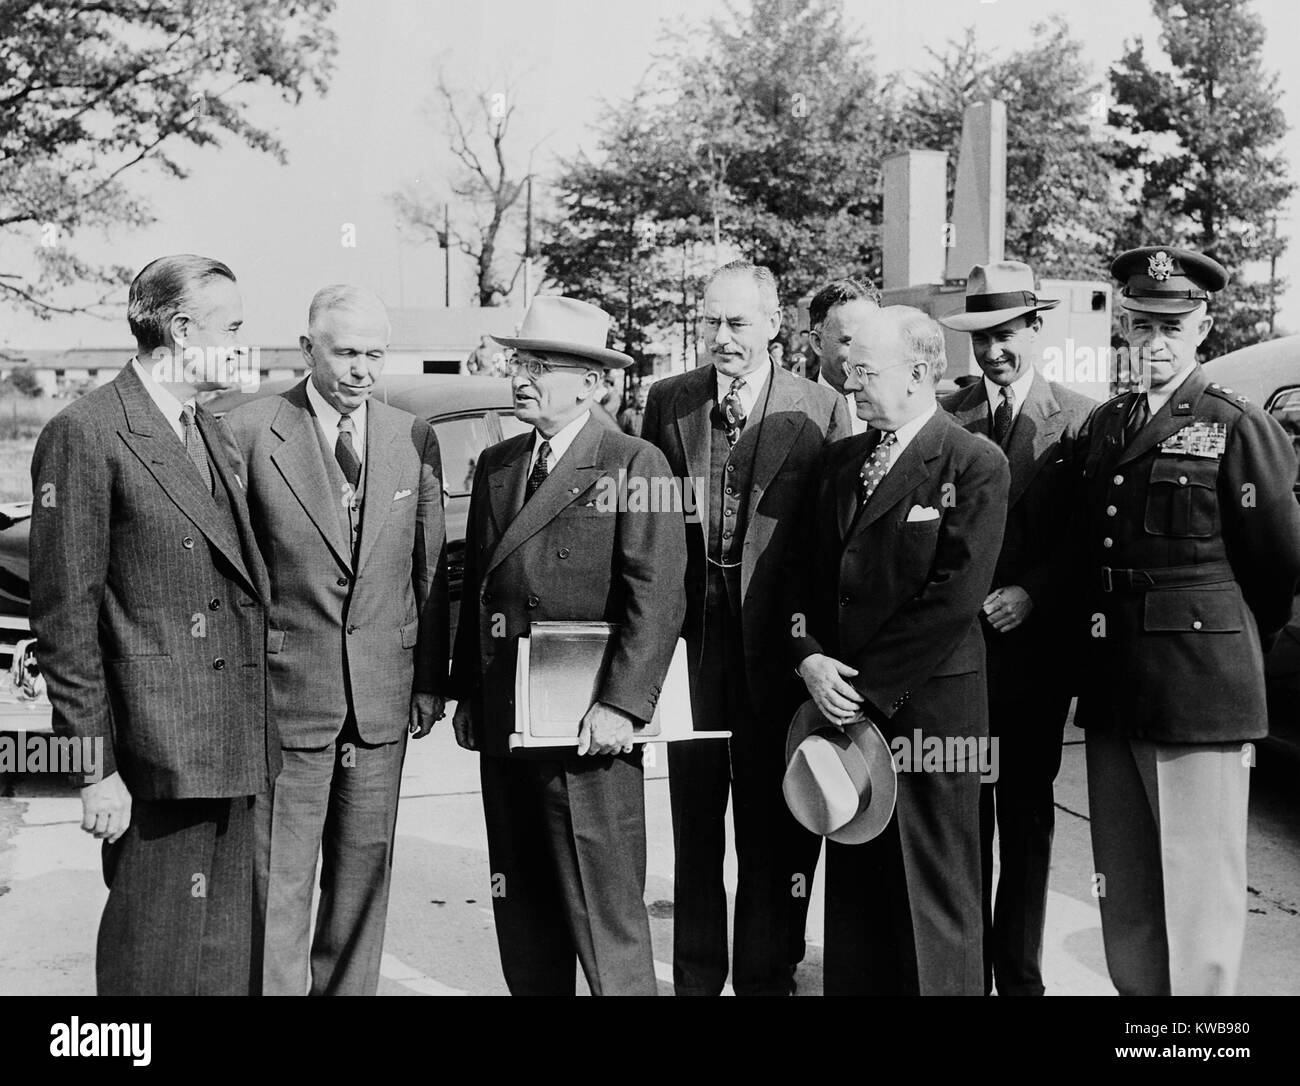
731,472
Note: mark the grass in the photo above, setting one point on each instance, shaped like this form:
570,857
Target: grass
21,420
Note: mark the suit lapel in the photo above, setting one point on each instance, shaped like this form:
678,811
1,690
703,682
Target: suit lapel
383,468
780,425
971,409
576,471
220,437
1037,428
848,479
299,461
151,438
506,482
1171,417
907,471
693,405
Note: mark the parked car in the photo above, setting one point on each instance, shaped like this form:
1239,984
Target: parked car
1269,374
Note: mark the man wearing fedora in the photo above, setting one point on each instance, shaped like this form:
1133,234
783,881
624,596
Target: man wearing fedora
1189,541
1035,421
566,830
752,433
896,553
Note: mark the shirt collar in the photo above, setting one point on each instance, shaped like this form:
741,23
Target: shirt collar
561,441
1157,400
754,382
1019,387
167,403
904,434
329,415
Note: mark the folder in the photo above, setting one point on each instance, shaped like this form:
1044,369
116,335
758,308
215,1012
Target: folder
560,669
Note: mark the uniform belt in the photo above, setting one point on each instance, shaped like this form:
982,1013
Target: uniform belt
1136,580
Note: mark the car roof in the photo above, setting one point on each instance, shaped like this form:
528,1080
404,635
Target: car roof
422,394
1259,370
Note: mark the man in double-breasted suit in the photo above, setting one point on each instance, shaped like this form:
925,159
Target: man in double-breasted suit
548,540
748,434
1035,421
345,495
148,604
1188,557
895,561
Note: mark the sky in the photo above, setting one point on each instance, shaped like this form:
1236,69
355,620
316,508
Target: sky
281,227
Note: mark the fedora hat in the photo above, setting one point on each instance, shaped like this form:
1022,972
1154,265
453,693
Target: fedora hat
840,783
567,326
996,293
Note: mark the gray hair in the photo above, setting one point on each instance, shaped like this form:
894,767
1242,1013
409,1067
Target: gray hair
762,276
921,337
163,288
343,296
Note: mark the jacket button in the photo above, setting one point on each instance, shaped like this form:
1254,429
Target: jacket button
1108,542
342,582
726,535
728,512
1111,510
731,467
532,601
218,664
188,543
1118,480
352,627
1182,480
564,552
1196,625
845,600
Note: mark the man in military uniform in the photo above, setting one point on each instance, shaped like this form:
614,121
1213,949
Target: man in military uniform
1192,557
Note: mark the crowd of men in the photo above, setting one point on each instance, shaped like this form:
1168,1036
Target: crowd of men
252,615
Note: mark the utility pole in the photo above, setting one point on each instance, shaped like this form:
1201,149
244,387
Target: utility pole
1272,281
528,243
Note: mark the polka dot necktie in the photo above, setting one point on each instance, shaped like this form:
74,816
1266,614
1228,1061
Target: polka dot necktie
875,466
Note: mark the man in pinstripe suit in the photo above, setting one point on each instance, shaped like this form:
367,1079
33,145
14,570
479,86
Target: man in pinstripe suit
148,603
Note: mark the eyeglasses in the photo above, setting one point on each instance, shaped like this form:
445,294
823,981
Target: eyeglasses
534,368
860,371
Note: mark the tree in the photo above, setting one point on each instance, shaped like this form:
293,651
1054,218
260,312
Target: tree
1212,178
91,93
486,182
1063,208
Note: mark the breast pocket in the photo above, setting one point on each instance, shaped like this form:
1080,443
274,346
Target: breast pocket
1182,498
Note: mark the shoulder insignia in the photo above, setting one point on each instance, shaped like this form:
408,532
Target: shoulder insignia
1228,396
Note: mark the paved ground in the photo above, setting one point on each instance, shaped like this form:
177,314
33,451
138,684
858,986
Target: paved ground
440,938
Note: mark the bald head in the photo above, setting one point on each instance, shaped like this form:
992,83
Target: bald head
346,344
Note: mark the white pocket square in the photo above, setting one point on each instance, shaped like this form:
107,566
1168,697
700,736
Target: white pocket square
921,513
401,494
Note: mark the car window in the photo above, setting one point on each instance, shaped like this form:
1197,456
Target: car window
1284,406
461,440
510,426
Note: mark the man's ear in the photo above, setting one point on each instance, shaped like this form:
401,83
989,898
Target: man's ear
1203,328
815,341
304,345
773,325
179,327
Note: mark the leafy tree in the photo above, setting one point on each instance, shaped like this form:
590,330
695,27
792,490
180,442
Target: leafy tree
1213,178
91,92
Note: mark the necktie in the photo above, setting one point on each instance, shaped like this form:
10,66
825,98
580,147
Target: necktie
1004,416
733,412
345,452
194,445
1138,416
539,472
875,466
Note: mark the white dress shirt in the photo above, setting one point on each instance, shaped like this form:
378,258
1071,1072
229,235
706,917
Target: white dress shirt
904,434
1019,389
327,418
749,391
1157,400
559,443
860,426
168,404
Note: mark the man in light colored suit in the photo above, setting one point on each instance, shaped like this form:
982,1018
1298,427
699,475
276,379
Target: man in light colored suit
149,607
566,829
345,495
752,434
894,561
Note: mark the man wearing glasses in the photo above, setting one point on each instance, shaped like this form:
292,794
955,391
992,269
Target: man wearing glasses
566,828
896,555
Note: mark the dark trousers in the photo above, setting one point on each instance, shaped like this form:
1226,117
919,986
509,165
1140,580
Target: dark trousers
179,918
701,774
805,849
1029,731
567,854
337,806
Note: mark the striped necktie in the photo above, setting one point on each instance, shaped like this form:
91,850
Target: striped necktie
345,452
538,475
198,452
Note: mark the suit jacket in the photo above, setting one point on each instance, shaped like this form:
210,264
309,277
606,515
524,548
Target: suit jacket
1200,505
900,600
148,602
802,419
1035,551
347,633
570,553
